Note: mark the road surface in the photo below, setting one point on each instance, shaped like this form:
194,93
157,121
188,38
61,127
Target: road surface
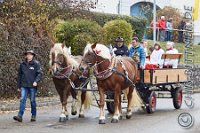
164,120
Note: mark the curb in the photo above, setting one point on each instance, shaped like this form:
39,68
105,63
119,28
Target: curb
13,105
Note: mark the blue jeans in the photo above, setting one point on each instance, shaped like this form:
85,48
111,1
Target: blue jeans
162,35
25,91
169,36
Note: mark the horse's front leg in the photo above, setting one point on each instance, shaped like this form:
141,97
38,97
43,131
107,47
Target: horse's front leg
129,107
102,118
81,112
115,118
64,114
74,106
75,101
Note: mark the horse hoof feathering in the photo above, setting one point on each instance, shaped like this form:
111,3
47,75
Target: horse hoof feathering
103,121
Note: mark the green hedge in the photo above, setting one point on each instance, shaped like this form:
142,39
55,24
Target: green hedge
77,33
138,24
115,28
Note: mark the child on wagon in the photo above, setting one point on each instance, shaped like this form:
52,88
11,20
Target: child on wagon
156,57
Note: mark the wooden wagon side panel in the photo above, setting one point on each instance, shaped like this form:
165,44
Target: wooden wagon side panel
159,76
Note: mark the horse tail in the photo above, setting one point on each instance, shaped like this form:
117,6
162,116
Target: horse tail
136,99
88,98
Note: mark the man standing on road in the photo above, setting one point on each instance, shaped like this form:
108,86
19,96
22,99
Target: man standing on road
28,77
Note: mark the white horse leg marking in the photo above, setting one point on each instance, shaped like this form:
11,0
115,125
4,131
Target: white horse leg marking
102,115
116,115
81,113
74,106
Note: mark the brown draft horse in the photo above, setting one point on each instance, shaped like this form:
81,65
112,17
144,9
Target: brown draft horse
111,75
64,68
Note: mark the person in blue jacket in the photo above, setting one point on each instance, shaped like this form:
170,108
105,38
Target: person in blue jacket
121,48
136,52
29,75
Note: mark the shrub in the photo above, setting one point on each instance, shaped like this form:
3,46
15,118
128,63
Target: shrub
76,33
115,28
138,24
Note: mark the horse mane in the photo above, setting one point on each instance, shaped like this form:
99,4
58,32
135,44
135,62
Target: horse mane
100,49
59,49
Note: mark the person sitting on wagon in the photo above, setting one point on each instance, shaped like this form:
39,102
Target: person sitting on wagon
156,57
145,45
171,63
137,53
120,48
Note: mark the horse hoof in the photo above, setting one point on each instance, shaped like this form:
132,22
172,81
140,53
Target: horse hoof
62,119
114,120
67,117
81,116
121,117
102,121
128,116
74,113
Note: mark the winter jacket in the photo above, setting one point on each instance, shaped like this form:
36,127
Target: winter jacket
28,73
169,26
122,51
139,50
162,24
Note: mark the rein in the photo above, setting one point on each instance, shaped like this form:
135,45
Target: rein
64,73
105,73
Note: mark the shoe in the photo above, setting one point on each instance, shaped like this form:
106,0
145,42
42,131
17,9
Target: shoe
33,119
17,118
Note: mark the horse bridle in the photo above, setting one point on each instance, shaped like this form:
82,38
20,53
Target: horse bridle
67,73
103,73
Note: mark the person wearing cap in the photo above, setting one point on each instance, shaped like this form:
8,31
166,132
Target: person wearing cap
121,48
137,53
171,50
29,75
156,57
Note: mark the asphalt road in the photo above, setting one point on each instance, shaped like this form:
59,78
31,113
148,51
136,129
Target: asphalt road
164,120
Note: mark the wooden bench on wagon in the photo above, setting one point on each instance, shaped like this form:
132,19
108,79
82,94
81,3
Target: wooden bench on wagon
165,75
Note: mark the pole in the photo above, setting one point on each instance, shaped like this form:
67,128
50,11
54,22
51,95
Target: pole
154,21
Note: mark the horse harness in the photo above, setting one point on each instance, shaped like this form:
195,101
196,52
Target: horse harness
66,72
112,69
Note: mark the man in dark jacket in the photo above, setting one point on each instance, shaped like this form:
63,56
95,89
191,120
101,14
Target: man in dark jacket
121,48
28,77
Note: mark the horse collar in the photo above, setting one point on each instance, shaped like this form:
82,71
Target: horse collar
106,73
64,73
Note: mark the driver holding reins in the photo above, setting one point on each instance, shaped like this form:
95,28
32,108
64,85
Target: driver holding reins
137,53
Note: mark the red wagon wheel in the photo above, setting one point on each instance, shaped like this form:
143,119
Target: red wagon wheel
177,96
151,103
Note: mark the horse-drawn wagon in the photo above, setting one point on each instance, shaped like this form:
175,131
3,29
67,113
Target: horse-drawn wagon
159,83
113,75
